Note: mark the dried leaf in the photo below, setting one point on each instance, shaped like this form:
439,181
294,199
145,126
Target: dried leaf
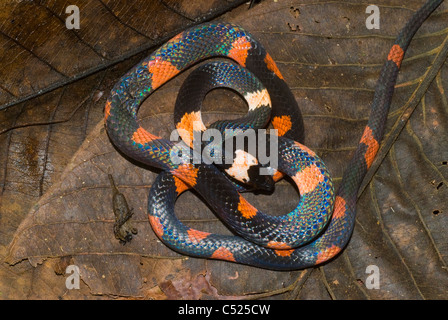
56,199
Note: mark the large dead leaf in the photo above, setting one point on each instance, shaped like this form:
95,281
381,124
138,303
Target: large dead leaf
56,207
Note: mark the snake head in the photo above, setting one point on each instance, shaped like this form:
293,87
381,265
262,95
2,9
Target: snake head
246,169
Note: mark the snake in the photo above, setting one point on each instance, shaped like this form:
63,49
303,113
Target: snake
321,225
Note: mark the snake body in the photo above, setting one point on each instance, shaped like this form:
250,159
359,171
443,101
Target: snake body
320,227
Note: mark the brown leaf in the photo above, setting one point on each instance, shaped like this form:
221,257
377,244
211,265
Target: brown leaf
110,31
56,199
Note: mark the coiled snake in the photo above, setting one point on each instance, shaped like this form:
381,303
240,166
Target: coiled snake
321,225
